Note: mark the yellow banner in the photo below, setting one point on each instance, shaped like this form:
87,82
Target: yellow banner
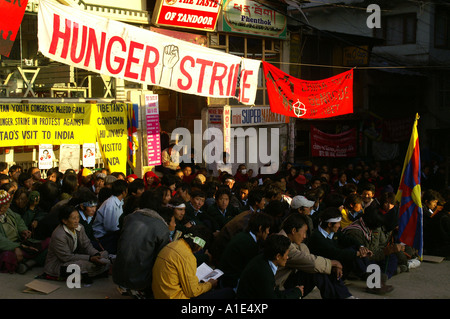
111,124
68,123
44,123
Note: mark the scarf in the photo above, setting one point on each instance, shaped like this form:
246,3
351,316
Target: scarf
361,226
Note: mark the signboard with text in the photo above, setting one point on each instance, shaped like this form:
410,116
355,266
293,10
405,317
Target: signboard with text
251,17
68,123
153,130
190,14
333,145
246,116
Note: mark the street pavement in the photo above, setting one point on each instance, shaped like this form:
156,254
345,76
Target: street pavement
428,281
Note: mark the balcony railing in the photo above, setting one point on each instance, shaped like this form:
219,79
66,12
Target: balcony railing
115,13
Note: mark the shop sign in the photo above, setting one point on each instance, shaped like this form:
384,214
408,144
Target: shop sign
356,56
251,17
190,14
247,116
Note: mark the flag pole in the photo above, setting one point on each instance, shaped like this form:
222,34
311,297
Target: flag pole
409,196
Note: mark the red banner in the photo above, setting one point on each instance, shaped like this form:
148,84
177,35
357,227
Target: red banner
11,15
333,145
396,130
308,99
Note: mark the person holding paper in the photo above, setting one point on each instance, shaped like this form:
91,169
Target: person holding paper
175,268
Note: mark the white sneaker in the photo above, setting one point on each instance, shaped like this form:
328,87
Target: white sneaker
413,263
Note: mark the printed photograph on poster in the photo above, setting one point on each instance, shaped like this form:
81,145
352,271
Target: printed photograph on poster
88,155
69,157
45,156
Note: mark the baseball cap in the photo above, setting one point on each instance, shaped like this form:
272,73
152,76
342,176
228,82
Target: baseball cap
301,201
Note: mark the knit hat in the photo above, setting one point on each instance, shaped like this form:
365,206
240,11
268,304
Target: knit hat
5,197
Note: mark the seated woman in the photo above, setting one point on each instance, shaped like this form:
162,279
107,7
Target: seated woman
18,251
70,245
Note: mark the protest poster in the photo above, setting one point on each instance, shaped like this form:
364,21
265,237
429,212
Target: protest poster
69,157
120,50
153,130
46,156
88,155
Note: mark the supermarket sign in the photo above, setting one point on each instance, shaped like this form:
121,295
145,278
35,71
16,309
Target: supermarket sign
190,14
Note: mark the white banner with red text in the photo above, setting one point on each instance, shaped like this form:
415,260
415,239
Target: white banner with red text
120,50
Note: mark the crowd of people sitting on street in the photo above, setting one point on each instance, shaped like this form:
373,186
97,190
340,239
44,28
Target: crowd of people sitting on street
273,235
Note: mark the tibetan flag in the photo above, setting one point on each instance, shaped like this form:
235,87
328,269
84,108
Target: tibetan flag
298,98
133,143
409,196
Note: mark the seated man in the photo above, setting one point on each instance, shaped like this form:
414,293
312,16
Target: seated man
368,232
328,241
175,268
194,214
306,269
221,212
352,209
257,281
256,202
243,247
106,223
143,235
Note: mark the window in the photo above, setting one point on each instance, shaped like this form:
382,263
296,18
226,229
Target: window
444,90
252,48
442,28
398,29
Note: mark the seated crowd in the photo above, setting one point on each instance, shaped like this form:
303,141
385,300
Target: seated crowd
273,236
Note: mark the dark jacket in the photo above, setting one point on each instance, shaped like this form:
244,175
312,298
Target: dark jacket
436,233
238,253
334,249
218,219
258,282
143,235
